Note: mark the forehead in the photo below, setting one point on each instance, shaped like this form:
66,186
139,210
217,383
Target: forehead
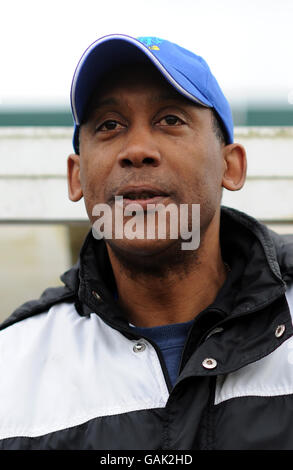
134,73
142,76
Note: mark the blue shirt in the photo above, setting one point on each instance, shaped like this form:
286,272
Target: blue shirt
170,339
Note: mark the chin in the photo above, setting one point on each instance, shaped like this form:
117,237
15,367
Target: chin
154,258
139,247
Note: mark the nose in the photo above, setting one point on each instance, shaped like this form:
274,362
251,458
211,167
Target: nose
139,149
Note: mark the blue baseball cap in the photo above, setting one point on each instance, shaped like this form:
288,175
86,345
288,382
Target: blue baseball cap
187,72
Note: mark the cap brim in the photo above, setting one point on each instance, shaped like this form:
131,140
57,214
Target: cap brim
115,50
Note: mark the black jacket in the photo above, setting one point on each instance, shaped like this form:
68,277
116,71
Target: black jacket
72,377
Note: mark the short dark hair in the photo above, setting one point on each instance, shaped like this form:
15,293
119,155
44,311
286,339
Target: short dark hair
219,128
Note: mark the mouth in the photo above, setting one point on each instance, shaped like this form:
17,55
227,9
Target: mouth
142,195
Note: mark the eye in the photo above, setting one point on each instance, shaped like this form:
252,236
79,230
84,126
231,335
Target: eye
170,120
109,125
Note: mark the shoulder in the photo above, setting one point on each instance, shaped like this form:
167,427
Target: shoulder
35,330
49,298
283,245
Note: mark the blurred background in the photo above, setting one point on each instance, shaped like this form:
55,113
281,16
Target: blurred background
248,45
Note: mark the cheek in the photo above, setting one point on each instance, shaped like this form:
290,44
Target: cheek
188,161
212,180
93,175
200,171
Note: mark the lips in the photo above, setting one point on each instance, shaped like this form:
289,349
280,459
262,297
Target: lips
141,192
142,195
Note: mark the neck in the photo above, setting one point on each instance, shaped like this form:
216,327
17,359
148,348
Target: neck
176,294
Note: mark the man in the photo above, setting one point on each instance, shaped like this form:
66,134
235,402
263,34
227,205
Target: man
149,345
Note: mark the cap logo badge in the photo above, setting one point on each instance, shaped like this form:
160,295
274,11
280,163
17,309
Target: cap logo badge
152,43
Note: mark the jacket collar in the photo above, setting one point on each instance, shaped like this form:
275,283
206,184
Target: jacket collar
256,256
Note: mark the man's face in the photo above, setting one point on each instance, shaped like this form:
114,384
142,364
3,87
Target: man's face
143,140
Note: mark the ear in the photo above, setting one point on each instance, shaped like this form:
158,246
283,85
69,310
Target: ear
73,177
235,167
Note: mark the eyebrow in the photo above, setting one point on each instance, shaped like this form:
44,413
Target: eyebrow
173,95
156,98
170,95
